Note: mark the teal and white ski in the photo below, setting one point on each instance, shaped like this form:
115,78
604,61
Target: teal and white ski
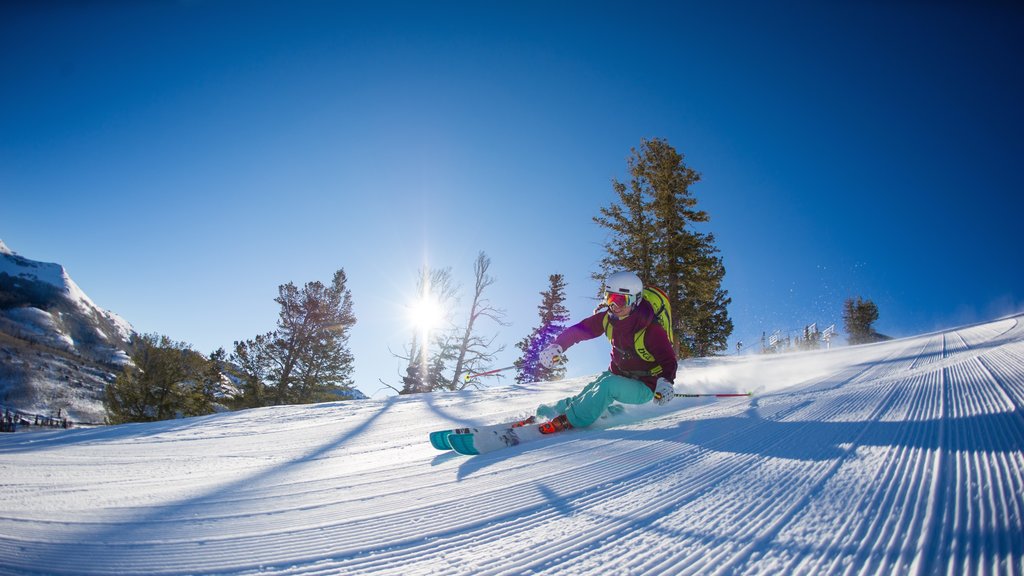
441,438
491,438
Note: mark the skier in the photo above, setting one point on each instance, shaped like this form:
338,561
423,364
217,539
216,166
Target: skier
630,378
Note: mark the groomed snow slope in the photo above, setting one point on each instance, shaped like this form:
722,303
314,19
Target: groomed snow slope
901,457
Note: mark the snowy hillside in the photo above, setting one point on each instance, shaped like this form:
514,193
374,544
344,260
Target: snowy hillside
899,457
53,281
58,349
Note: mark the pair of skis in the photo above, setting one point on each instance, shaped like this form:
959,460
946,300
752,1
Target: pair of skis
472,441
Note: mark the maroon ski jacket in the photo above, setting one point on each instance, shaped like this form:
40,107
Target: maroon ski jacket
625,359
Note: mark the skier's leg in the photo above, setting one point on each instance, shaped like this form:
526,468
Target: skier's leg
587,407
549,411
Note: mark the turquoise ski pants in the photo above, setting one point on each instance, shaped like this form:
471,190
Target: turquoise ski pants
586,407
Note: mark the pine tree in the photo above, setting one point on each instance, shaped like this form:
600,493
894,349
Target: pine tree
858,316
253,362
206,394
811,339
161,385
201,397
307,357
652,226
553,318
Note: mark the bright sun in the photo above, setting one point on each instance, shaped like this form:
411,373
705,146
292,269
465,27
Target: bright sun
426,314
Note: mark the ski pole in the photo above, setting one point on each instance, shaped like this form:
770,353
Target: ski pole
713,395
487,373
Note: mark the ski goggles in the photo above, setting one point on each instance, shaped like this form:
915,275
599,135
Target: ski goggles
619,299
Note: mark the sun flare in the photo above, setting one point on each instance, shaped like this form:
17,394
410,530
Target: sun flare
426,314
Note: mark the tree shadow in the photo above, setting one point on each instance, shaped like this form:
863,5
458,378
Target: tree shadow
36,556
35,441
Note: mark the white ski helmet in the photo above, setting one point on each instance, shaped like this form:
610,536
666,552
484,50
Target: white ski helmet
625,283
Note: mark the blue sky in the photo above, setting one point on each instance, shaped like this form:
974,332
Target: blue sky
183,159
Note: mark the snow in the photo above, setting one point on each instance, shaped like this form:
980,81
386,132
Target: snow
898,457
55,275
18,267
123,327
40,324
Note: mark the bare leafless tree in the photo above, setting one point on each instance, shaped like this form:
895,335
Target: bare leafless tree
473,352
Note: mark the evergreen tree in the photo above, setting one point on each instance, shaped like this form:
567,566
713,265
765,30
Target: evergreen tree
553,318
201,398
253,363
307,357
161,385
701,321
858,316
652,226
811,339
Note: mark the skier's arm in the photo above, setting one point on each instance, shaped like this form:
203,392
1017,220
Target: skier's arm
586,329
